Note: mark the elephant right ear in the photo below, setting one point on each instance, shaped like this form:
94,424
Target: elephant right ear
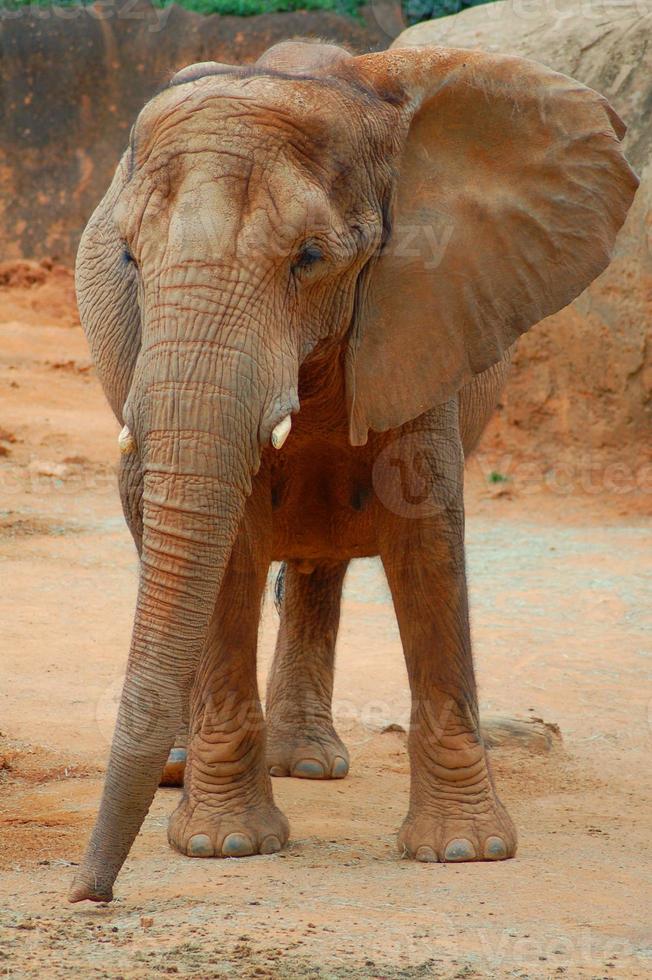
511,189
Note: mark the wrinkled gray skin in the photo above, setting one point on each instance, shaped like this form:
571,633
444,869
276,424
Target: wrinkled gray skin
232,275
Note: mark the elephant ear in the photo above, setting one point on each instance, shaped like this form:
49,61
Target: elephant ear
511,188
106,282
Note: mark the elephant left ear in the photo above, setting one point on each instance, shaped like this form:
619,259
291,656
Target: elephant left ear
511,189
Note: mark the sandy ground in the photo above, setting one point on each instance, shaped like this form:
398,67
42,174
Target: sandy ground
560,572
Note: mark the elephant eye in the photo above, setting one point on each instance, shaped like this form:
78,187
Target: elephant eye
307,256
127,257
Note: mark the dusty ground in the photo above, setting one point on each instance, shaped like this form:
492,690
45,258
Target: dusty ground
560,581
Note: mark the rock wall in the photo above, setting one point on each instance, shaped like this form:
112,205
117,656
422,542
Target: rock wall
583,378
72,82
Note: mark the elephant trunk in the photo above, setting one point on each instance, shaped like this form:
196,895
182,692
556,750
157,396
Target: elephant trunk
196,410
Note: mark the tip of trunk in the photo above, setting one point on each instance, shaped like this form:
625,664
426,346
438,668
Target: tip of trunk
81,891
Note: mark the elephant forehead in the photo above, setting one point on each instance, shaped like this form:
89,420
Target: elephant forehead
313,117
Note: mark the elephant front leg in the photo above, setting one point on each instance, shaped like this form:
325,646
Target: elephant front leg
227,808
301,738
454,812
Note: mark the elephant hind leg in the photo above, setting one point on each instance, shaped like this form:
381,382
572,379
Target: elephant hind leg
301,738
477,401
175,767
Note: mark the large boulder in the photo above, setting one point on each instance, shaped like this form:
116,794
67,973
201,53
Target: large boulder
582,377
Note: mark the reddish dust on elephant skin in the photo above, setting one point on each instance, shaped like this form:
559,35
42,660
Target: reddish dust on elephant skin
204,352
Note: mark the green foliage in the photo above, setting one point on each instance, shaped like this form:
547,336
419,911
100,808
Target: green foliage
241,8
496,477
418,10
248,8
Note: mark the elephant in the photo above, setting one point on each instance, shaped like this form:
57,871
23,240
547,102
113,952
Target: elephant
300,292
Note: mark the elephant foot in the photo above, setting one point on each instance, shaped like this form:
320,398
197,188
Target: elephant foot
449,831
198,829
174,768
317,753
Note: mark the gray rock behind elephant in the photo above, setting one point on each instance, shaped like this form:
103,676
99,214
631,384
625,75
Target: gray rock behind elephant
584,378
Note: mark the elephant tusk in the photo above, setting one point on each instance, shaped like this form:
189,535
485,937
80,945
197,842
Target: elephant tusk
281,432
126,441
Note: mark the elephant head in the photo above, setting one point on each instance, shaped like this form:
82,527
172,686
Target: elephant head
412,212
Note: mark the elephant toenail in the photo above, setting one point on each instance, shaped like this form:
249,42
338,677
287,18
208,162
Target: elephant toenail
277,771
340,767
309,769
177,756
425,853
495,849
271,845
200,846
237,845
459,850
